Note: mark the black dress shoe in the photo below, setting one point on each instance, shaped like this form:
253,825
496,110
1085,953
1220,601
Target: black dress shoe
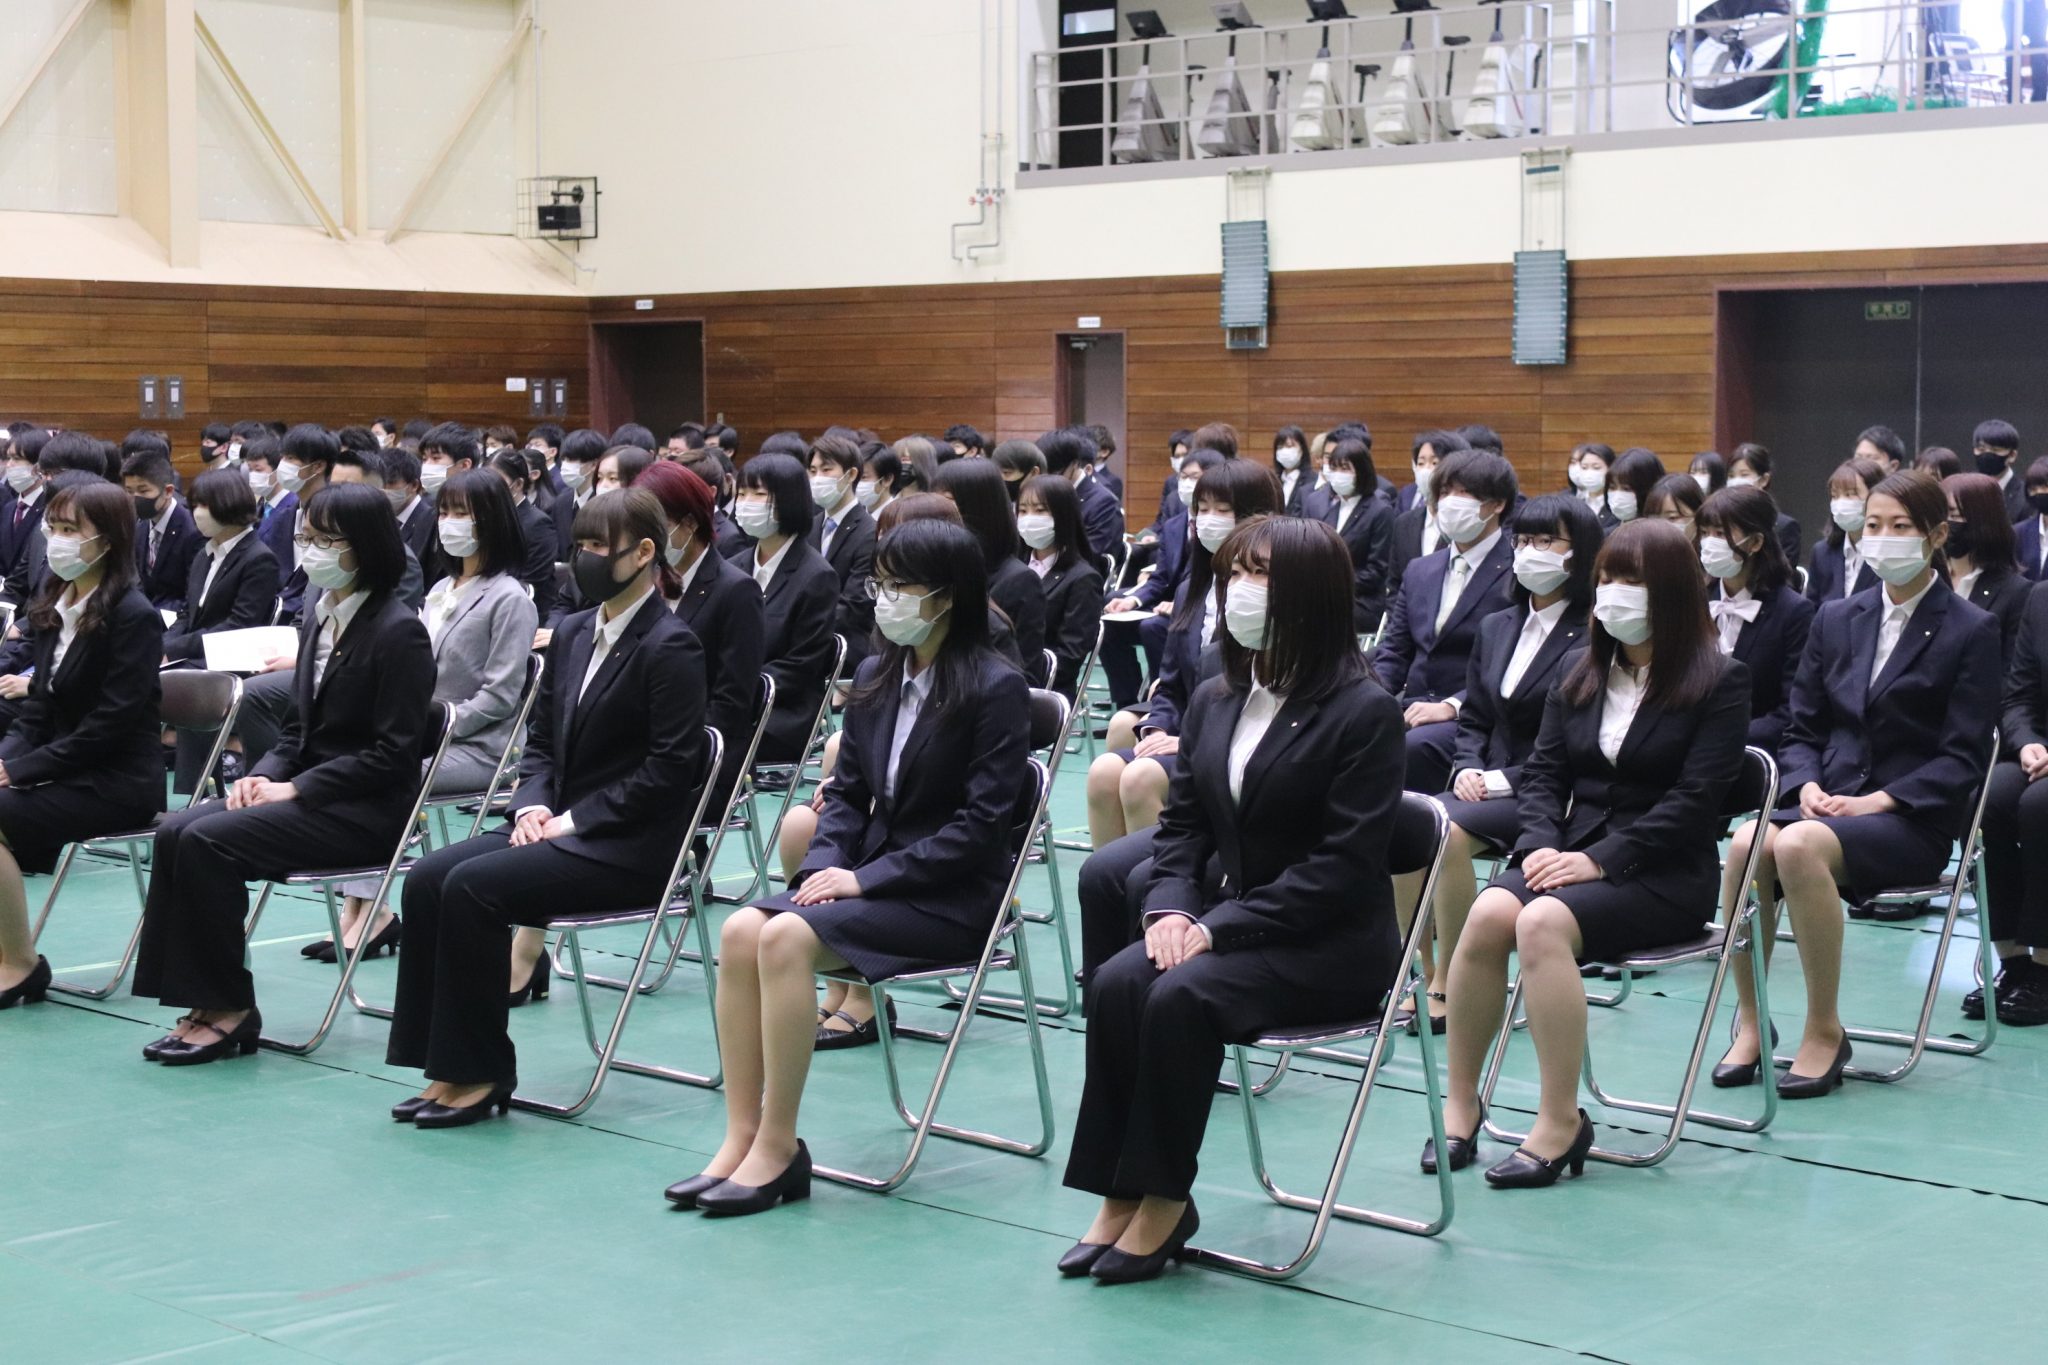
729,1200
239,1043
405,1111
154,1052
386,941
537,980
1120,1267
1729,1075
1524,1170
1080,1258
1461,1149
859,1035
435,1114
683,1194
2022,994
320,950
1793,1086
33,990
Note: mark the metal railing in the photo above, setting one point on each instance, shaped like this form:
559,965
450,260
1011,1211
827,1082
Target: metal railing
1522,69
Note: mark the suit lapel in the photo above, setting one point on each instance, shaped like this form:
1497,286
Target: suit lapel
1288,726
1483,581
1863,622
581,644
1434,570
699,591
608,671
1921,628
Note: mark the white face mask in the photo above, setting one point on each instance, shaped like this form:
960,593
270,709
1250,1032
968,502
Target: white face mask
1187,494
901,620
1343,482
1702,480
1742,480
66,555
867,493
574,474
1460,518
1288,456
1244,613
1036,529
1847,513
458,536
1719,558
1588,478
203,519
825,490
1423,474
1213,528
20,477
234,450
259,481
432,476
1623,609
756,518
288,476
1895,559
1542,571
1622,502
323,568
675,554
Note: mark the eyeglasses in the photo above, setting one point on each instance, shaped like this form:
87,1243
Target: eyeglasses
1555,543
318,542
875,590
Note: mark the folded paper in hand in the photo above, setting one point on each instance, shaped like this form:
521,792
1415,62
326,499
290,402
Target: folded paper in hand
247,651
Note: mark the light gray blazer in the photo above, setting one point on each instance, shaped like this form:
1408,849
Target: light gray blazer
482,661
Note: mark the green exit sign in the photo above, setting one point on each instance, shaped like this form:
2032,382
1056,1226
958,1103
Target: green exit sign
1895,310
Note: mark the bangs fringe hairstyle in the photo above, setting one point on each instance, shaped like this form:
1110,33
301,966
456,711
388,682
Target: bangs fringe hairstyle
1686,660
943,556
1738,512
917,507
1925,502
1567,515
111,512
622,518
1682,490
362,516
1311,649
483,497
1869,473
1056,495
1993,547
1252,491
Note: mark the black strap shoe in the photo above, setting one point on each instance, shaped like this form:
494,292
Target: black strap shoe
241,1041
1524,1170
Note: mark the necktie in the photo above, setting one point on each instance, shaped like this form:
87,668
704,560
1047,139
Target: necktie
1454,587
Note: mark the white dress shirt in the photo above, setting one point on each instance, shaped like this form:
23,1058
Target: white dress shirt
1618,708
606,636
1289,478
1893,628
1432,534
333,617
68,613
218,554
764,574
911,698
1852,566
1535,630
156,534
446,602
690,574
2041,561
1464,567
834,519
1731,612
1252,723
1967,584
1345,507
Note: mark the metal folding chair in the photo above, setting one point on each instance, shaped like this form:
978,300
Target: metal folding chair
329,878
1755,792
195,702
1421,830
1006,927
792,772
682,882
508,762
1084,706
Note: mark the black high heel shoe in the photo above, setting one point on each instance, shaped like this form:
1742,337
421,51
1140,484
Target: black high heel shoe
1729,1075
1461,1149
33,990
537,980
239,1042
405,1111
386,940
434,1114
683,1194
729,1200
1524,1170
1080,1258
154,1052
1120,1267
1793,1086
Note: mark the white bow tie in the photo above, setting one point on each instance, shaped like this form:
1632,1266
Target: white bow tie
1721,608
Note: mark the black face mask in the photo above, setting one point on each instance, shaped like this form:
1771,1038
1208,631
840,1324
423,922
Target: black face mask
2039,502
145,508
1990,463
593,573
1958,538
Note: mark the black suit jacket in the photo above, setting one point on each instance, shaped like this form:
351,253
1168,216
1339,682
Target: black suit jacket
2026,680
2027,533
1302,851
2004,595
93,718
1073,615
798,623
163,582
722,607
418,530
1021,596
1496,733
1185,663
1369,535
355,742
2017,508
1824,575
563,515
938,843
1170,568
1415,660
731,540
17,530
537,537
1102,517
1920,731
852,558
623,757
1404,546
243,594
1652,817
1770,647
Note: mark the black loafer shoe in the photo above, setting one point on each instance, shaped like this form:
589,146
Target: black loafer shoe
1080,1258
683,1194
2022,995
405,1111
729,1200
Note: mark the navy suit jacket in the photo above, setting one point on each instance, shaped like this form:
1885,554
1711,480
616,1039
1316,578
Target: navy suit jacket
2026,680
164,582
2028,533
275,530
1405,499
1102,517
1184,664
1405,546
16,538
1170,569
1414,660
1496,732
1771,647
1920,731
2005,597
1369,535
1824,577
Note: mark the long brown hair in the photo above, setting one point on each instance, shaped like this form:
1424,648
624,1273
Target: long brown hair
1687,662
1993,547
1251,490
112,514
1310,649
1869,473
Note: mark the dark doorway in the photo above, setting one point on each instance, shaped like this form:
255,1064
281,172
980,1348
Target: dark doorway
1085,27
1803,371
647,372
1089,386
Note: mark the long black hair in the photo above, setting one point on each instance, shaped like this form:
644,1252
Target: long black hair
1251,490
977,489
944,558
1567,515
111,512
1063,505
1688,660
482,495
1310,649
1738,512
362,516
788,486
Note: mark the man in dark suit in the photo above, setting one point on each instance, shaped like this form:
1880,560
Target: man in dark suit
1105,450
1070,454
1996,445
2032,532
414,509
24,510
581,450
1426,650
844,533
167,538
1121,640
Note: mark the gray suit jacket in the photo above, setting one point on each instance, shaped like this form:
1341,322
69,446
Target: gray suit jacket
481,655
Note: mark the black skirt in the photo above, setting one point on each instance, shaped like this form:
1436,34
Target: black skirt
1616,921
39,821
1496,824
1884,851
885,938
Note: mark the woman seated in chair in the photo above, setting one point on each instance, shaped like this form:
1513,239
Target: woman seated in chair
1056,549
1838,567
1891,729
1269,902
978,489
1127,786
1760,618
1677,499
613,764
800,591
1616,854
480,620
1521,652
2016,835
234,579
335,791
908,861
1982,553
83,758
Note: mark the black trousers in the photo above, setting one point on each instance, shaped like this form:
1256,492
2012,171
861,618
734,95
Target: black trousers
268,701
1112,886
1155,1041
2016,856
460,905
194,949
1430,750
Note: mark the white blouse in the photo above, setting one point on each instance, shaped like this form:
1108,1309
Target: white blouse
1618,707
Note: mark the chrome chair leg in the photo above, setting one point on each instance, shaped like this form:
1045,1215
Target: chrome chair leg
113,983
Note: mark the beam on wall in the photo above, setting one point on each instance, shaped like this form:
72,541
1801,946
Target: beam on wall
43,60
270,135
355,116
506,57
157,81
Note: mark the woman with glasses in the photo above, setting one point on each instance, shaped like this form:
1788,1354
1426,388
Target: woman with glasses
907,864
335,791
1521,652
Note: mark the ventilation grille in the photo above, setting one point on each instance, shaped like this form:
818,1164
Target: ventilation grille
1245,280
1542,307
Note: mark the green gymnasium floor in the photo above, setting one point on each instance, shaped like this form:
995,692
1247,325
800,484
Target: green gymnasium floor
266,1210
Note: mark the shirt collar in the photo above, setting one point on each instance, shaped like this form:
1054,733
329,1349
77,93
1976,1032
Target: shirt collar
1739,595
1911,604
1481,548
920,682
690,574
340,612
774,561
222,550
163,518
71,611
1551,614
406,510
610,631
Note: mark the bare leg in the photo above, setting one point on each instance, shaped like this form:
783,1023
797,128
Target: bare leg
1748,1043
739,1035
789,957
1142,791
1456,889
17,949
1547,941
795,839
1809,861
1479,983
1121,732
1105,801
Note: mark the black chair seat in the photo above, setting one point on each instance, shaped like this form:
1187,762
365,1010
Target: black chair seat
1317,1035
1705,946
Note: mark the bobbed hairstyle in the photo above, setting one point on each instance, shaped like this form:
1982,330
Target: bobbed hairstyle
622,518
1356,456
1063,505
788,486
1939,461
1993,546
917,507
1638,470
941,557
1478,473
225,495
1714,466
1737,513
1217,436
483,497
1868,473
111,513
1251,490
1688,659
1310,649
1566,515
1675,490
362,516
